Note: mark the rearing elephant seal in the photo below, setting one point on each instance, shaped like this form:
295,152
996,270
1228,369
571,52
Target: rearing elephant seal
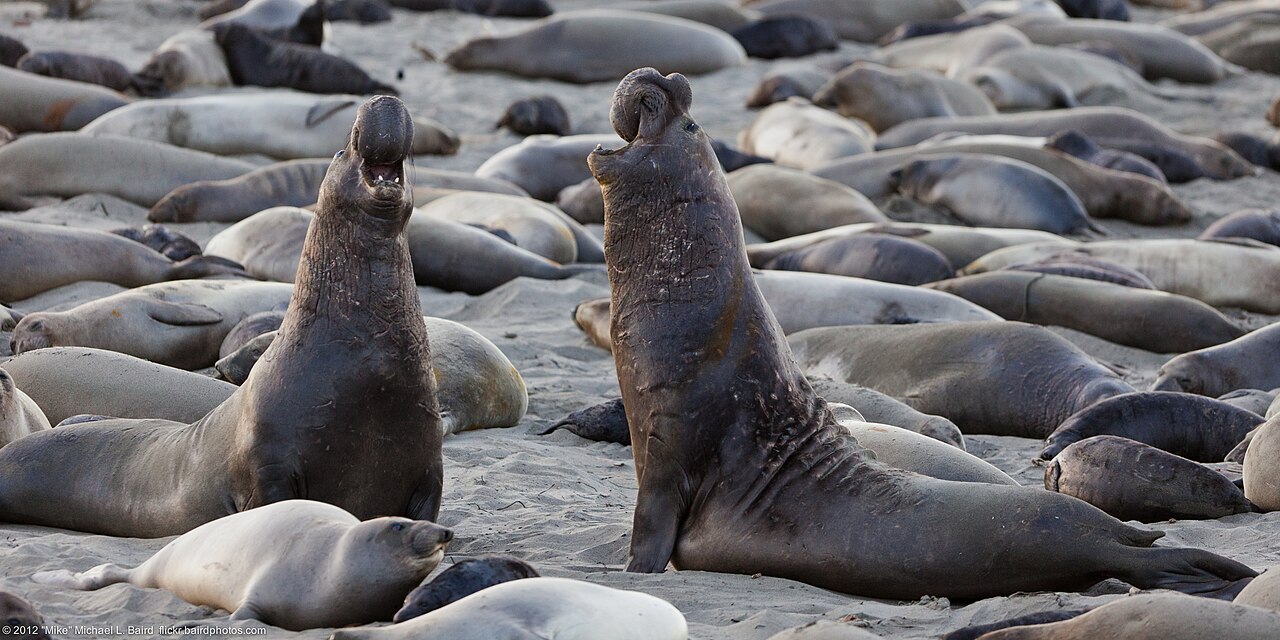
341,409
742,468
295,564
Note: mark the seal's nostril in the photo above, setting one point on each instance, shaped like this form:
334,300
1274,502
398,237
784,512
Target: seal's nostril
446,535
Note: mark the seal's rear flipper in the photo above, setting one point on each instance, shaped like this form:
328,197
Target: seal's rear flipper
1192,571
95,578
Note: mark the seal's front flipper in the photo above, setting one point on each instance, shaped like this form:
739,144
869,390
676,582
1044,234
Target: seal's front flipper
183,314
95,578
655,524
203,266
245,611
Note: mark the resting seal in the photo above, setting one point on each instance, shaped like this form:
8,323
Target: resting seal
875,256
1194,427
36,103
730,441
79,67
1135,481
190,58
461,580
778,202
342,408
1155,616
295,564
1243,363
19,414
884,97
539,114
255,59
795,133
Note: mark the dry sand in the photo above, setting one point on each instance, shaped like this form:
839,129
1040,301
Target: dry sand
560,502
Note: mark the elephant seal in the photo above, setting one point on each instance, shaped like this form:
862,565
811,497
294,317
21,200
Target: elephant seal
1135,481
11,50
294,564
1164,53
785,37
190,58
19,414
79,67
1154,616
724,15
40,257
72,164
1251,400
1075,265
22,620
863,20
1078,145
279,124
880,408
796,133
1223,273
1262,225
989,191
1263,592
961,245
1100,9
1153,320
1043,77
783,82
532,225
270,16
604,422
886,258
1261,152
616,42
1043,617
1191,426
163,240
444,253
69,381
248,329
951,53
535,115
1261,476
905,449
1000,389
1209,19
685,347
884,97
1242,363
1250,43
778,202
477,385
544,165
37,103
551,607
1108,126
292,183
504,8
179,324
342,408
461,580
256,59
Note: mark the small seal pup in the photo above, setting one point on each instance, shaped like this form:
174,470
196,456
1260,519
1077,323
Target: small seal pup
541,607
296,564
731,442
341,409
461,580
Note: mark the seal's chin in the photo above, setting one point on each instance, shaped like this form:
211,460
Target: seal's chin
386,182
604,162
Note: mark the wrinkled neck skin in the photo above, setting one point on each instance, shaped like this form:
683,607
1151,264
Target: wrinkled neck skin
351,279
704,368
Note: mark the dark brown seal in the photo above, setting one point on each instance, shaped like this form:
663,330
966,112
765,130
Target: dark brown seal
1202,429
461,580
256,59
1134,481
538,114
1152,320
77,66
341,409
743,469
874,256
11,50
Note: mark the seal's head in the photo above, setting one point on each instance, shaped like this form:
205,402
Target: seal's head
368,176
651,112
36,331
417,544
18,614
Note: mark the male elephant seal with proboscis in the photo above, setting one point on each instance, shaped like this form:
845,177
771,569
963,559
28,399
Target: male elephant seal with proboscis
732,444
296,564
342,409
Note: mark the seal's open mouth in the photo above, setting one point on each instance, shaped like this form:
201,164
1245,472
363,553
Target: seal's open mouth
384,181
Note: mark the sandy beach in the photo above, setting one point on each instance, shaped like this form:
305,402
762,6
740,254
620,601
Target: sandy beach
560,502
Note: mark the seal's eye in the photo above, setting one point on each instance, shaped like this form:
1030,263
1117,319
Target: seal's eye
13,622
399,526
339,154
691,127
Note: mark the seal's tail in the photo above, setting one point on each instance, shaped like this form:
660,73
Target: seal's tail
1192,571
95,578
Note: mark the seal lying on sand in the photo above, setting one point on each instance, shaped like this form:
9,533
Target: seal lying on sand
731,443
295,564
342,408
